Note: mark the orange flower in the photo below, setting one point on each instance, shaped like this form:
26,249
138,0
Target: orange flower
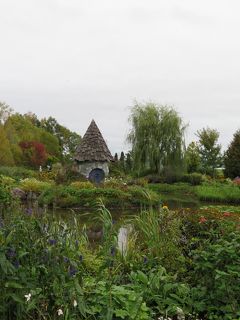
202,220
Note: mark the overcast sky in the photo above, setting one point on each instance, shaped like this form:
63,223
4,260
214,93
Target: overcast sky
81,59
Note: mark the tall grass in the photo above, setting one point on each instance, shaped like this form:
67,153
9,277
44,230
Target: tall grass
219,193
158,235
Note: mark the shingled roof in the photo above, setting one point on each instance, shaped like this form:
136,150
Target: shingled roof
93,147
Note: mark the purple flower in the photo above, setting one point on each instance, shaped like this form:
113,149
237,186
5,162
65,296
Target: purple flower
145,260
52,242
29,211
72,271
16,264
113,251
65,259
11,253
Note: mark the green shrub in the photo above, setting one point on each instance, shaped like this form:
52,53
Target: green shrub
193,178
18,173
141,182
82,185
216,278
7,181
47,176
5,196
34,185
116,183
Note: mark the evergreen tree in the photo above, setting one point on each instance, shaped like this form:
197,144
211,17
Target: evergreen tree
128,162
232,157
116,157
122,161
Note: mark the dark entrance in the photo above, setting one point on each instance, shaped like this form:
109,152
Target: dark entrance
96,175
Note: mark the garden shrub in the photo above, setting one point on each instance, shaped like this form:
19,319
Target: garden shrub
5,196
18,173
117,183
7,181
141,182
82,185
34,185
216,277
47,176
193,178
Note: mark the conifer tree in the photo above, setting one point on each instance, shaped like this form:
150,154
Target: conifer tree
232,157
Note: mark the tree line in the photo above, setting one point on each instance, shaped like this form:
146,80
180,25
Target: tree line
32,142
157,139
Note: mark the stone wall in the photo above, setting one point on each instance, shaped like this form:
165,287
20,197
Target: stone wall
86,167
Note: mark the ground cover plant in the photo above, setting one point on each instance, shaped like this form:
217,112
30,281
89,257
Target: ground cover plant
177,265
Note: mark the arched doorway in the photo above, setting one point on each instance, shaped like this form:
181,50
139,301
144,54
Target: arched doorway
96,175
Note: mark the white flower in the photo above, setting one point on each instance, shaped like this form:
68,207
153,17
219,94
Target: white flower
74,303
60,312
28,296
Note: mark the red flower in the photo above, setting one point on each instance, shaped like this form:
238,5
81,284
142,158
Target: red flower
226,214
202,220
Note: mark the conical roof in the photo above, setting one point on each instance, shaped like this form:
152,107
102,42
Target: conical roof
93,147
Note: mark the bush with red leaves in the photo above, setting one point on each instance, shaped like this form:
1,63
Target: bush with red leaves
34,152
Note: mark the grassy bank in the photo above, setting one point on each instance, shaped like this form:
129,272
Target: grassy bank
218,193
211,192
69,196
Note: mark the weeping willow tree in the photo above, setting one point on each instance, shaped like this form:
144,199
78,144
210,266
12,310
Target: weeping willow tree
157,138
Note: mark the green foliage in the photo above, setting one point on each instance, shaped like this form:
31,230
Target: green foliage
209,150
60,143
157,137
193,178
216,277
184,265
82,185
159,236
68,196
34,185
7,181
6,157
219,193
5,196
67,139
232,157
17,173
193,159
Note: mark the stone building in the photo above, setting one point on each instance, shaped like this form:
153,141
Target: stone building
92,156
